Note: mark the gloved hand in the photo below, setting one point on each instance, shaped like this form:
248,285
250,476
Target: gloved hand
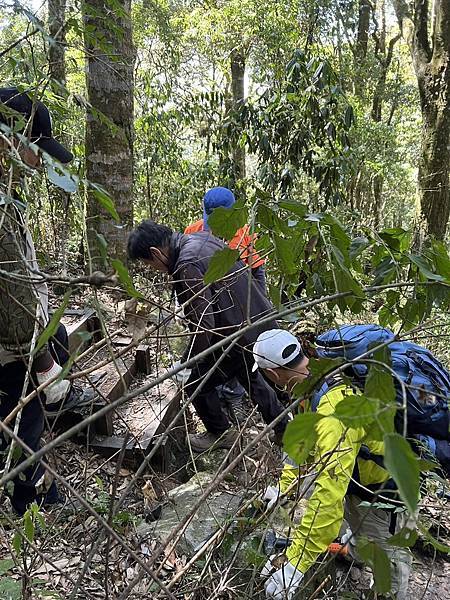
271,495
56,391
347,535
284,583
182,377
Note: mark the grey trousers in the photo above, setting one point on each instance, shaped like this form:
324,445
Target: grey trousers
375,524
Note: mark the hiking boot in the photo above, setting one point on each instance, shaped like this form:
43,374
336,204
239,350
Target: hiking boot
202,442
75,399
235,402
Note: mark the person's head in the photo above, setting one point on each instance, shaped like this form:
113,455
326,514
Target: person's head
214,198
280,356
37,126
150,242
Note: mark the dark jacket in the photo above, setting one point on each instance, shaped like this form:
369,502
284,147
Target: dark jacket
223,307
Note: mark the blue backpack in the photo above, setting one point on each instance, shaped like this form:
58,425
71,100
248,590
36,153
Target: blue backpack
426,381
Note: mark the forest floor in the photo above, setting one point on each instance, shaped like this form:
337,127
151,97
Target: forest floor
71,556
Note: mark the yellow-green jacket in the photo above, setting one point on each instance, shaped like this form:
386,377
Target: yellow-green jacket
322,520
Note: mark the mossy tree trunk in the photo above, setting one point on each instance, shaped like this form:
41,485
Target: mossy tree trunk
109,127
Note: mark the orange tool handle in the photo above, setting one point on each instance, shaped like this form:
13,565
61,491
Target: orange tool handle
336,548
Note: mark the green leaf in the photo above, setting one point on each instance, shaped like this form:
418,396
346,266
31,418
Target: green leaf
125,279
380,564
402,464
405,538
348,117
284,249
425,268
105,200
356,410
17,543
441,259
6,565
28,526
102,245
10,589
53,325
434,542
396,238
224,222
380,385
358,245
220,264
299,210
64,180
300,436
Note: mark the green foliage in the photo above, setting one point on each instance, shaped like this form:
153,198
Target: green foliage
379,562
125,279
301,435
53,324
433,541
10,589
220,264
405,538
6,564
357,410
302,129
403,465
224,222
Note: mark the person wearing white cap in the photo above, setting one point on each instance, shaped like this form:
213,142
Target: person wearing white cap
345,478
280,355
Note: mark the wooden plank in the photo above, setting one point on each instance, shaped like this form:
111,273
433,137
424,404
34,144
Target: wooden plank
111,446
76,329
122,340
143,359
116,382
136,450
113,385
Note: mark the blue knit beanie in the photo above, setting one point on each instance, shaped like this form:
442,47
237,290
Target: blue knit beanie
215,197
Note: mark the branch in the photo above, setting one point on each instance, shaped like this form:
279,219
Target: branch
17,42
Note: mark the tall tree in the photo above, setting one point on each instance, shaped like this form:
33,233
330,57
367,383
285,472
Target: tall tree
427,33
109,130
57,49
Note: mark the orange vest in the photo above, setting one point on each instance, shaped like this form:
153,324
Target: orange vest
243,240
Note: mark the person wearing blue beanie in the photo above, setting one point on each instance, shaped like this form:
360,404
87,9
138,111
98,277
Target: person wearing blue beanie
215,197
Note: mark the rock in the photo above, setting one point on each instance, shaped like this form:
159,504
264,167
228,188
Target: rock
215,511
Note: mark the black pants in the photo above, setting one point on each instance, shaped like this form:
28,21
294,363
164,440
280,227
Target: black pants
207,402
12,377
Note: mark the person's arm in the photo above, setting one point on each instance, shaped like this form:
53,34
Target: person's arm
336,452
199,311
259,276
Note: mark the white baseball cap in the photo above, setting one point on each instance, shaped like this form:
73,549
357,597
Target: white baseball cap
275,348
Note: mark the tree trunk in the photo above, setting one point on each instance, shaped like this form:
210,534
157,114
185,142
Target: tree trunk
109,126
434,166
238,95
360,48
57,49
363,29
57,73
429,42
